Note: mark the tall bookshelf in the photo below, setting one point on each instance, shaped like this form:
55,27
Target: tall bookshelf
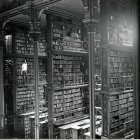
117,70
67,71
20,82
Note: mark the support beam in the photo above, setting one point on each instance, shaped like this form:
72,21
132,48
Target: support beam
35,32
50,76
2,40
91,8
36,67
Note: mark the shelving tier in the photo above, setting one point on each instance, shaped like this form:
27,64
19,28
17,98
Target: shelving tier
117,68
25,95
19,81
67,70
118,111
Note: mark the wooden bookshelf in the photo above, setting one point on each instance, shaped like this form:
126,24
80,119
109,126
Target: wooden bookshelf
117,69
118,110
25,94
63,67
67,70
19,50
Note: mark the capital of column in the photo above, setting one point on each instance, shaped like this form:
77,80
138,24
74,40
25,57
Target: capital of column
34,21
91,14
35,29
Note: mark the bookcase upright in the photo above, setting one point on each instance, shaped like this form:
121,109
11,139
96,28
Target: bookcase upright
117,70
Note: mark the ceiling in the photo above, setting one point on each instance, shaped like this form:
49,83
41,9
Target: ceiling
71,7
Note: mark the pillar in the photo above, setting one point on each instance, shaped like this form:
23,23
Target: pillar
35,32
91,12
50,89
2,40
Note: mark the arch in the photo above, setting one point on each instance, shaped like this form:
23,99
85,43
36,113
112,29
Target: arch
4,24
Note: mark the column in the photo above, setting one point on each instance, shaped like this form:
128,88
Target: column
91,12
50,77
35,32
2,41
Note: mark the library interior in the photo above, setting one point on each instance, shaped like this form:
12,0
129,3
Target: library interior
69,69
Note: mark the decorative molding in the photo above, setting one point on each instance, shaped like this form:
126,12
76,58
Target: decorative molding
91,11
63,12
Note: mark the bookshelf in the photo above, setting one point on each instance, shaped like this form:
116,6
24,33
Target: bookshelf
19,80
117,70
67,70
118,111
25,79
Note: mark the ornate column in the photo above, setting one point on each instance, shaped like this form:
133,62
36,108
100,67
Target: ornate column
50,89
2,41
35,32
91,12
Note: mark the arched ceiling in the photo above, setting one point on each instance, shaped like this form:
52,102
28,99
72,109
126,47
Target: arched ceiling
72,7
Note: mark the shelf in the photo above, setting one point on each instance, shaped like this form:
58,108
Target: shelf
20,55
121,111
120,47
71,53
69,87
70,120
23,85
119,131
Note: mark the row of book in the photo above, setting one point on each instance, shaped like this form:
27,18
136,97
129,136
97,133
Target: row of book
120,74
25,98
121,96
